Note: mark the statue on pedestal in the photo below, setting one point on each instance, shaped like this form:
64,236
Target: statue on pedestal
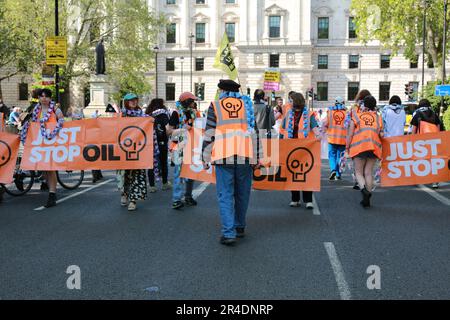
100,58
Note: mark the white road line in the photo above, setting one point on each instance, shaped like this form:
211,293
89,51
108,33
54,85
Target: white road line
77,194
344,290
199,190
316,210
435,195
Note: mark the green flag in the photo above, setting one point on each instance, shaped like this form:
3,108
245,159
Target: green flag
224,58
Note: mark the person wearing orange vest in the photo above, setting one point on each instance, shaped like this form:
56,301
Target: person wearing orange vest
300,123
228,145
337,135
364,145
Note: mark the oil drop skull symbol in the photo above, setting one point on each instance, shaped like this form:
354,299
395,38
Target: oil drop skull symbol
232,106
132,141
299,163
368,119
338,117
5,153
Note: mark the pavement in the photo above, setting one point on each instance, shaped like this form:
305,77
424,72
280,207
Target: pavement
157,253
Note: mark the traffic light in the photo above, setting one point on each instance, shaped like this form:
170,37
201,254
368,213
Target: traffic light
409,91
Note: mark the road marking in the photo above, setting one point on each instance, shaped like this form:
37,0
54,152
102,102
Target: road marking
435,195
199,190
77,194
343,287
316,210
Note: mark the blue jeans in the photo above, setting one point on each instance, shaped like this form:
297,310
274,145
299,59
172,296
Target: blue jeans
334,155
177,191
234,184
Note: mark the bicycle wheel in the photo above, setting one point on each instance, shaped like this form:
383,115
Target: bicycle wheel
70,180
21,184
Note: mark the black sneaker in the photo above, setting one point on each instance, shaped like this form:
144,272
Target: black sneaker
227,241
190,202
51,201
44,186
332,176
240,232
177,205
356,186
338,178
366,198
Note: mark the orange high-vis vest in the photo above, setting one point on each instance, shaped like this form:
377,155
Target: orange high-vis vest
427,127
367,134
337,133
285,125
231,136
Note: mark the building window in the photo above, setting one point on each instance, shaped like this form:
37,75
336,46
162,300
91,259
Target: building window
414,63
200,1
274,61
200,91
430,63
353,61
274,26
23,91
230,29
324,29
170,64
230,1
353,89
199,64
322,91
385,91
323,62
385,61
171,2
351,28
171,36
200,34
170,91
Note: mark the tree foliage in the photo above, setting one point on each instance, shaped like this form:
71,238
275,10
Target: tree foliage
398,25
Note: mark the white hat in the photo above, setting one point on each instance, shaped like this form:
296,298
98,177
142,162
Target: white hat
339,100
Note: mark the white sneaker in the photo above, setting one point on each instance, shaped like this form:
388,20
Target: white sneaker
123,201
294,204
152,189
132,206
310,206
435,186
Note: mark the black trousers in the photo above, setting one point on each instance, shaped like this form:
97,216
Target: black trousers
163,166
307,196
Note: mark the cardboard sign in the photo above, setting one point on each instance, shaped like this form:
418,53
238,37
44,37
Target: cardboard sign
299,167
416,159
93,144
9,148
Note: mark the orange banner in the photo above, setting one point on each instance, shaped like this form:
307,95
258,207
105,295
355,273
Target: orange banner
299,167
92,144
416,159
9,148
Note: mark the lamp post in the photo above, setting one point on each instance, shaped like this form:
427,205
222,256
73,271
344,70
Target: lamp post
156,49
424,41
56,67
182,69
444,53
191,39
360,69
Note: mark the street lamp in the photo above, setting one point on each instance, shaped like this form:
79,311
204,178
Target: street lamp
444,53
360,69
156,49
191,39
424,41
57,66
182,69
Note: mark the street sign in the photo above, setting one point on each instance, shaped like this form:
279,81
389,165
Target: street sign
442,91
56,50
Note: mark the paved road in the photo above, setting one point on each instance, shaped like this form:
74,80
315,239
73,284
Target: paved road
289,253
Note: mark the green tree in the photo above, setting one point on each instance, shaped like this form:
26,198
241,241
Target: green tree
397,24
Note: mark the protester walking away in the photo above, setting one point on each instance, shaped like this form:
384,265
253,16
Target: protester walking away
44,113
228,145
336,135
264,116
96,174
180,123
159,112
300,123
394,118
364,145
425,120
355,108
132,183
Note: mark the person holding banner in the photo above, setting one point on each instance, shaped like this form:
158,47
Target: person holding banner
184,117
228,145
46,112
132,183
364,145
300,123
